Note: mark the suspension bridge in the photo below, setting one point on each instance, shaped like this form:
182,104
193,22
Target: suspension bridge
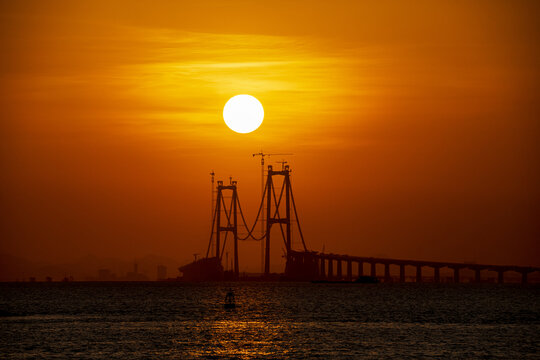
303,264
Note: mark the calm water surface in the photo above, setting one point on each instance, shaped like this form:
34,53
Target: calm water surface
273,320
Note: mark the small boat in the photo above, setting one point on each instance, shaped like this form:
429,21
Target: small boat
229,300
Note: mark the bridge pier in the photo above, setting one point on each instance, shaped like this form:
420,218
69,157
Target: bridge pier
387,277
330,269
309,265
317,269
477,277
339,272
418,273
456,275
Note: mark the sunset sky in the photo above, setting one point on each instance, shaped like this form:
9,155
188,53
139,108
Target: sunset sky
414,125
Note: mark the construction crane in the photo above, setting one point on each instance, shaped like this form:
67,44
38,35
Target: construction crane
262,155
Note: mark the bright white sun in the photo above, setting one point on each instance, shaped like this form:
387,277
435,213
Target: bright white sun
243,113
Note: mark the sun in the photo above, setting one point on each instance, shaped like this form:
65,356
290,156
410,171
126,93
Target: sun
243,113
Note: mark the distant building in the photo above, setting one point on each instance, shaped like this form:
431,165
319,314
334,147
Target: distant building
161,272
135,275
106,275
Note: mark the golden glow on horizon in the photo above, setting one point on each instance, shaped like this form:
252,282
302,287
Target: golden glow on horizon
243,113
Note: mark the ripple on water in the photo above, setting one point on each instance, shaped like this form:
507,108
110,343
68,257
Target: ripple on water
273,320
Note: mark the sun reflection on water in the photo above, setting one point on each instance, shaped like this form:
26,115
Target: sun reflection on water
238,339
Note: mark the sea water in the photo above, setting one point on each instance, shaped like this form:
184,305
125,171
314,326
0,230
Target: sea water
172,320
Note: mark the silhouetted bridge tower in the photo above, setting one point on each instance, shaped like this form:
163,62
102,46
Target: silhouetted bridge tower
273,215
303,264
232,224
280,207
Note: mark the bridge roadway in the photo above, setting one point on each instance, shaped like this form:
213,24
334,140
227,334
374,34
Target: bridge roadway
321,266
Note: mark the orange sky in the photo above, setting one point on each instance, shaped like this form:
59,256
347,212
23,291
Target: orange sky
414,125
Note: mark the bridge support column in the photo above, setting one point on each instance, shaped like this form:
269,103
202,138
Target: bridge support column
330,269
387,277
477,276
500,276
418,273
437,274
349,270
323,268
360,268
524,277
456,275
373,269
402,273
339,272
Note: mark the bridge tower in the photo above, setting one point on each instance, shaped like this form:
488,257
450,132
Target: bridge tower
274,217
231,223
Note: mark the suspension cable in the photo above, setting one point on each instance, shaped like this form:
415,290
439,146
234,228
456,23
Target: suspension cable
297,221
228,225
277,211
211,232
250,232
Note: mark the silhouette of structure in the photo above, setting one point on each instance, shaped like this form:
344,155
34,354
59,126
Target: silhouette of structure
210,267
304,264
321,266
205,269
230,302
262,155
135,275
273,217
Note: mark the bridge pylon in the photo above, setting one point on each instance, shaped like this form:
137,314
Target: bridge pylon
231,223
272,213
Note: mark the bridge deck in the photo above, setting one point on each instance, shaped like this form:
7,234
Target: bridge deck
433,264
321,265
